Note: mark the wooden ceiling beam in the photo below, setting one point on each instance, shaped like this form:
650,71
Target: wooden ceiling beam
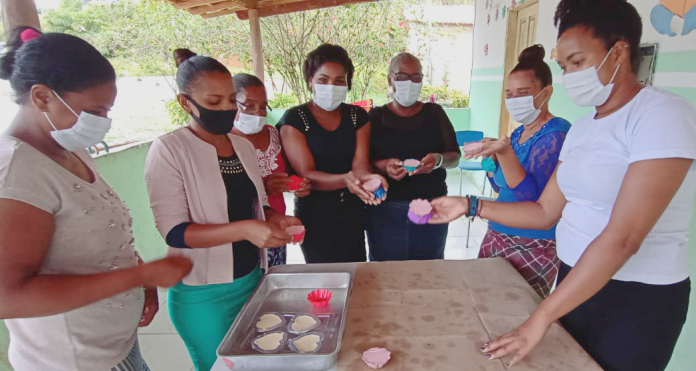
210,8
186,4
298,7
218,14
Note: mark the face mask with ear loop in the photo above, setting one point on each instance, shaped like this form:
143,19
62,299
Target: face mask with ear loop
586,89
406,93
522,109
329,97
89,130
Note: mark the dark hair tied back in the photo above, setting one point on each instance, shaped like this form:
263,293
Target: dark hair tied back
245,80
192,66
64,63
532,59
533,54
181,55
609,20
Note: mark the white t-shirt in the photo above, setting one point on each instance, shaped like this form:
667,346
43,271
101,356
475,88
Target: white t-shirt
92,234
595,158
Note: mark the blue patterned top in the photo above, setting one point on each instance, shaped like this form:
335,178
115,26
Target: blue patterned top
539,157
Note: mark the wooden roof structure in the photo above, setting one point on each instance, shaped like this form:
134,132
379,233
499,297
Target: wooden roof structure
216,8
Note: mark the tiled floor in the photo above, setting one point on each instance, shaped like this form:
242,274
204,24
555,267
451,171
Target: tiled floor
164,350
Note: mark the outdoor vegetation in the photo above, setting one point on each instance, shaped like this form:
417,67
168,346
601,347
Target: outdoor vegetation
138,37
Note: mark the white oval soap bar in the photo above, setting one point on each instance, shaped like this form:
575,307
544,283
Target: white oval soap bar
302,323
269,341
268,321
307,343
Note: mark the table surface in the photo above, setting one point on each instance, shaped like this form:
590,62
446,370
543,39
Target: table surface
435,315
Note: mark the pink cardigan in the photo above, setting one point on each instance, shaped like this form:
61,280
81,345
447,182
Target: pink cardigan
184,183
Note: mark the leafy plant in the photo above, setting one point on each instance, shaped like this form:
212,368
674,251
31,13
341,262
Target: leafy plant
288,38
176,113
283,100
446,97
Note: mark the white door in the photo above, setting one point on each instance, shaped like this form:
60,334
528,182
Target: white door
526,31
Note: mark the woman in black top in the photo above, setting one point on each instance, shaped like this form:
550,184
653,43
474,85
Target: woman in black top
408,129
327,142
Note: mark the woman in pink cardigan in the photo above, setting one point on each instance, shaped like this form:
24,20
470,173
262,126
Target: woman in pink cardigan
208,197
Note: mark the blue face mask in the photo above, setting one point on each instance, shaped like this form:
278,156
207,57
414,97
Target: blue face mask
489,165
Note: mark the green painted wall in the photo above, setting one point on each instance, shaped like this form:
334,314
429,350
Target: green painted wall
460,117
4,343
676,61
125,173
275,115
485,102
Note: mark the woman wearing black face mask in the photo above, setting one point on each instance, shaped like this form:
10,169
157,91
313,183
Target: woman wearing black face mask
208,197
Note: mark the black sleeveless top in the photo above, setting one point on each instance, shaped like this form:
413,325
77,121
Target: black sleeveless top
428,131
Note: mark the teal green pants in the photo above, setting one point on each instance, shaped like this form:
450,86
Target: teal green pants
203,314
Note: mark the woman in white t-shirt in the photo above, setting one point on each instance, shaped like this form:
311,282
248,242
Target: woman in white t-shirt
625,191
71,282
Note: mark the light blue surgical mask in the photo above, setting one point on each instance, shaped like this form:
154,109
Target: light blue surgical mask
586,89
87,131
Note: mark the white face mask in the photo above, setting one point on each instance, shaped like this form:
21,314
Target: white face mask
87,131
250,124
329,97
586,89
407,92
522,109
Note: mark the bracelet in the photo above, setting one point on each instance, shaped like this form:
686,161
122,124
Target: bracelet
479,209
438,164
473,206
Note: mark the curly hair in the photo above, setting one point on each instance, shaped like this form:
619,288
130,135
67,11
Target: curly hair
609,20
328,53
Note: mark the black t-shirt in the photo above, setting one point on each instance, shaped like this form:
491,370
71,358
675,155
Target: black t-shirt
333,151
428,131
241,194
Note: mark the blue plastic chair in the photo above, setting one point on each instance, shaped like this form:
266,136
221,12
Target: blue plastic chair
464,137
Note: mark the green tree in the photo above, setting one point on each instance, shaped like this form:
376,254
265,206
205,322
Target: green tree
138,36
371,33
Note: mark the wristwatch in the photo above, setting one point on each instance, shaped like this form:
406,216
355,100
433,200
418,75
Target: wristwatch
438,162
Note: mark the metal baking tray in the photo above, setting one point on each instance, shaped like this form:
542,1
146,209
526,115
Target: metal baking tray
286,293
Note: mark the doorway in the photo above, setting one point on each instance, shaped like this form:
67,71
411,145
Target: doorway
522,32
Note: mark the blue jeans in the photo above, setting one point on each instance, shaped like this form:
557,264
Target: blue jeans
393,237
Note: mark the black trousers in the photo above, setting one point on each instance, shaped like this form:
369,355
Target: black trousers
630,326
335,227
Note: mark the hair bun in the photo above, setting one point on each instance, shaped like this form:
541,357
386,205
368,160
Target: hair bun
534,53
7,65
182,55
